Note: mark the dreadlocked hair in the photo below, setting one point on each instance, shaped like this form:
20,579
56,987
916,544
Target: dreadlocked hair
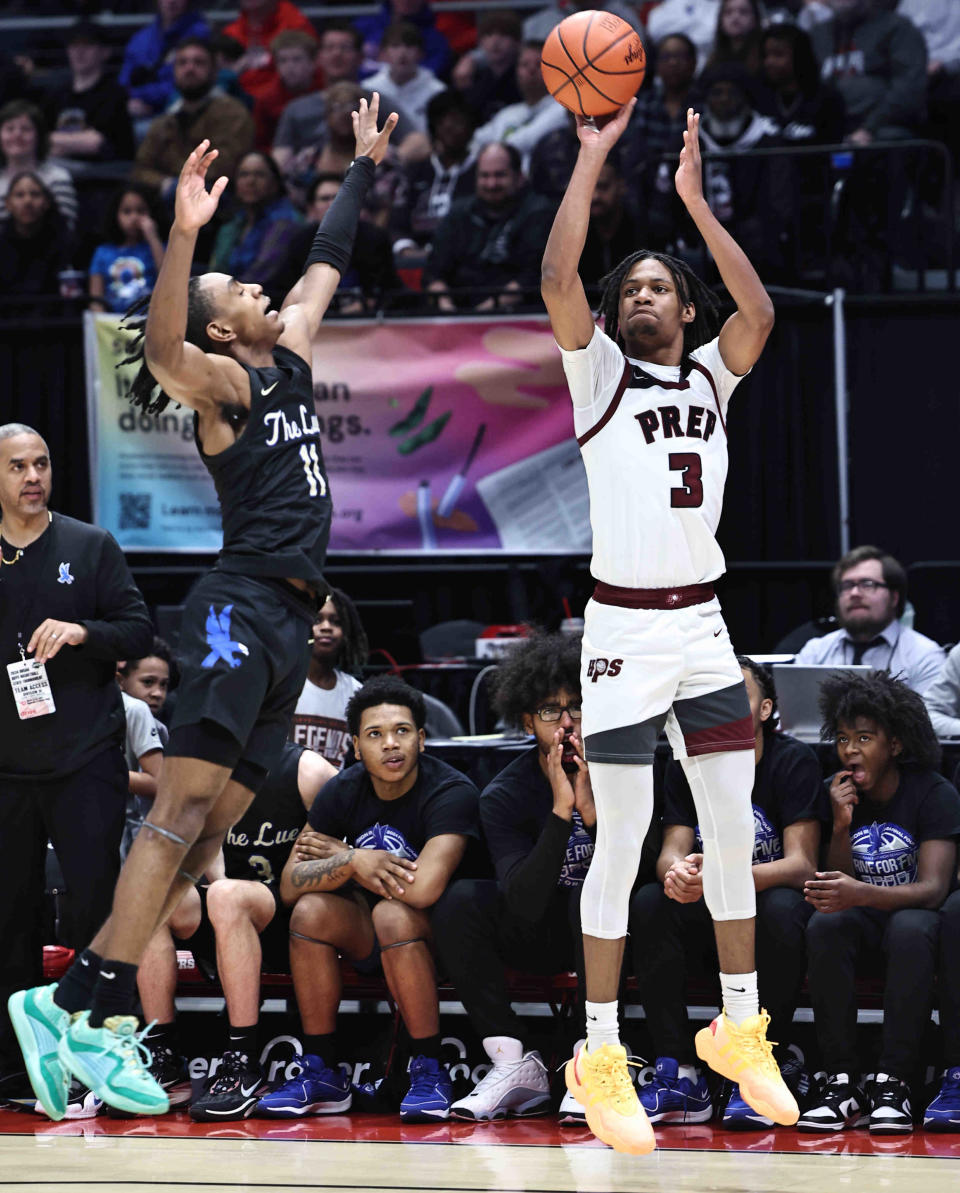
690,289
354,647
534,670
897,709
145,390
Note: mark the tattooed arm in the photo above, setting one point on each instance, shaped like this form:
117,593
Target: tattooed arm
315,874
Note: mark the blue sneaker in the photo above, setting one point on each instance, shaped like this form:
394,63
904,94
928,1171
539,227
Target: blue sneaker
670,1098
739,1116
430,1094
943,1113
315,1090
40,1024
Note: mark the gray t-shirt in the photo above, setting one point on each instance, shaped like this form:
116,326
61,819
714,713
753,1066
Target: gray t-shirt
144,731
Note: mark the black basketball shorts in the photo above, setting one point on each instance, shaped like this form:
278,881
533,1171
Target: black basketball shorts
244,654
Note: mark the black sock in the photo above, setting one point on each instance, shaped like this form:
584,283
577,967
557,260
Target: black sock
115,992
428,1046
164,1035
75,990
323,1046
243,1039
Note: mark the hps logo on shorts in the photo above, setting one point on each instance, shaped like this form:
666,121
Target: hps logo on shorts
608,667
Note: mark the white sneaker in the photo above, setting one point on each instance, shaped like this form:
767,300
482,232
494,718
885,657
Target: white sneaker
572,1114
518,1084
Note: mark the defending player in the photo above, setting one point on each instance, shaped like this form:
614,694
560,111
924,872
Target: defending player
650,394
213,344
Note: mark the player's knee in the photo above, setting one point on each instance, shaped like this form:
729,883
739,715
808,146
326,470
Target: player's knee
228,901
394,921
311,916
911,931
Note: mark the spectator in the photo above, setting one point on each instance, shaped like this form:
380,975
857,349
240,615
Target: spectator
891,860
256,241
227,59
524,124
871,590
89,118
426,188
301,124
615,228
669,921
790,94
878,62
295,57
537,26
552,161
489,246
696,18
651,144
333,150
338,656
150,679
125,267
144,740
436,49
942,697
737,38
61,757
23,146
199,113
258,24
404,84
754,199
540,824
238,927
147,70
406,819
487,77
939,22
34,243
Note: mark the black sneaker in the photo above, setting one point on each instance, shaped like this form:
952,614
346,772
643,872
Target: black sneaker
232,1091
890,1111
169,1069
795,1074
839,1105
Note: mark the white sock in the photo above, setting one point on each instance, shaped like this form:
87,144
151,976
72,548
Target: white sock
690,1072
602,1025
503,1050
740,998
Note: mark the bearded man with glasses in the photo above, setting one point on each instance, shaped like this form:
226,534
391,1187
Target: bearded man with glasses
871,592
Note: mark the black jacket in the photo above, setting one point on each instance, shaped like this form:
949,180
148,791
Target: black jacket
73,572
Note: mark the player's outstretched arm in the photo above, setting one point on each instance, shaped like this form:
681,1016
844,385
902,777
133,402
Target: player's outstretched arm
305,305
560,284
745,332
184,371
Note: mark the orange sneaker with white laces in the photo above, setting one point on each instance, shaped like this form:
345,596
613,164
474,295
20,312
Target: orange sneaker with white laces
743,1054
600,1081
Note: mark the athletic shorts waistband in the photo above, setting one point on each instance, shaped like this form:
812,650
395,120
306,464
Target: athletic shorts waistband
653,598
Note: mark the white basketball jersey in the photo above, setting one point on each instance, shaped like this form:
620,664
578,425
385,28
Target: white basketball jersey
655,451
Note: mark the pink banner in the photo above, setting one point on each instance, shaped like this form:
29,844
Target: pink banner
451,436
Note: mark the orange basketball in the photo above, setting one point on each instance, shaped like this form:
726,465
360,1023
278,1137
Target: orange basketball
593,62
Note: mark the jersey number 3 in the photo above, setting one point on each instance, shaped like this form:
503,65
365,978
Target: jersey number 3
311,466
691,495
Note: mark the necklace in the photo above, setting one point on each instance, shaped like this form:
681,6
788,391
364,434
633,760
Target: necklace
19,550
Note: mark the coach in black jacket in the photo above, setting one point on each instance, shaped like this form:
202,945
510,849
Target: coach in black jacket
67,599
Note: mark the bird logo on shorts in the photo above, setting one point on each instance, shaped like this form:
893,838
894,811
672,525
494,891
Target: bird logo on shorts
219,640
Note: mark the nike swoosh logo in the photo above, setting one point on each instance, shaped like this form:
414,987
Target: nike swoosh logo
717,633
108,976
269,389
252,1090
739,989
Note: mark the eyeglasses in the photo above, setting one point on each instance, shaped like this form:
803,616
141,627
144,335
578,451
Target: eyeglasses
863,585
553,712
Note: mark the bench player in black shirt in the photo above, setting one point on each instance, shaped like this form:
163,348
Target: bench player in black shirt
213,344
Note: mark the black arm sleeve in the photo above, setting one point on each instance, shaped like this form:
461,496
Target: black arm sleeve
333,243
531,883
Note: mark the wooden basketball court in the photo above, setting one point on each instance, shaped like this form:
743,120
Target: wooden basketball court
375,1152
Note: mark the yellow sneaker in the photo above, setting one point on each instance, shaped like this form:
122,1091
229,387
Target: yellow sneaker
743,1054
600,1082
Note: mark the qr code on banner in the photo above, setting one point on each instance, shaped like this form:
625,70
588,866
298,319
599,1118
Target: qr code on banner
135,511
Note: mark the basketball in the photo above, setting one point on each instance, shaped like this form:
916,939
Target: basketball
593,62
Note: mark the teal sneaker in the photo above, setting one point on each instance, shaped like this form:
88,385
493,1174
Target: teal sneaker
114,1062
40,1025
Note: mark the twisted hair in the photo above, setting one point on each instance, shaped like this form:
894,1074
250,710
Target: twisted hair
534,670
764,681
897,709
690,289
354,647
145,390
385,689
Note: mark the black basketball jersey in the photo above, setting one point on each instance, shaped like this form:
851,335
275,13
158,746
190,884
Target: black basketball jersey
259,843
274,498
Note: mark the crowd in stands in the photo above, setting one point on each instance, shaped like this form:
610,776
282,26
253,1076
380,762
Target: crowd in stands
482,152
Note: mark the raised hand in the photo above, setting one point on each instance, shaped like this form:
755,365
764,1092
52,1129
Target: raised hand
371,141
689,176
843,799
194,205
606,135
